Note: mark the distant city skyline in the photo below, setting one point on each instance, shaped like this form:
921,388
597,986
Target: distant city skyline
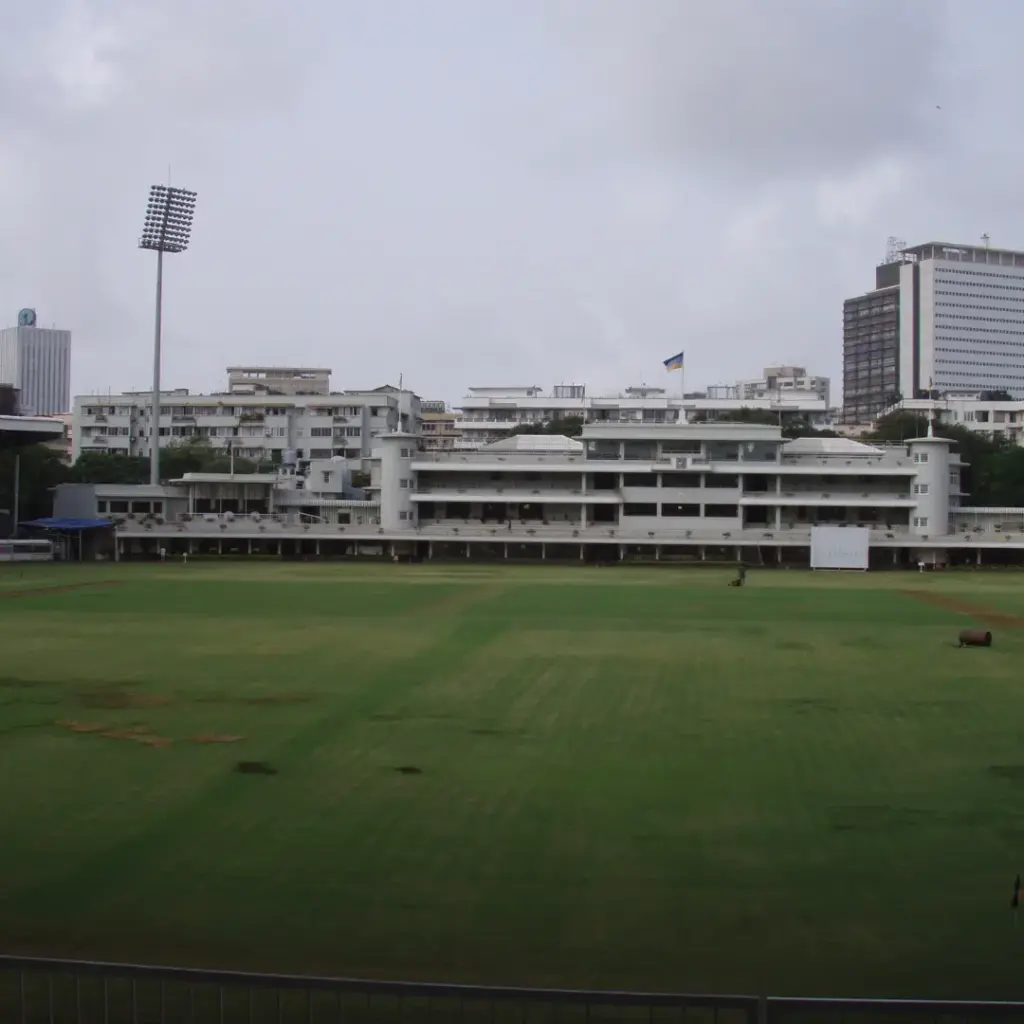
386,192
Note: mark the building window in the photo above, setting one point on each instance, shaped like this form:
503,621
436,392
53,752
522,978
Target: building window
721,511
681,511
320,431
920,457
403,515
920,488
119,506
353,431
920,520
639,509
327,477
101,506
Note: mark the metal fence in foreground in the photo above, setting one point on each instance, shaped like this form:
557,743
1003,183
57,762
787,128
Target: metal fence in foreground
36,991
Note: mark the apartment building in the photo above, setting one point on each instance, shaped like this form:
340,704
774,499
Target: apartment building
278,380
776,382
276,425
996,418
488,414
439,430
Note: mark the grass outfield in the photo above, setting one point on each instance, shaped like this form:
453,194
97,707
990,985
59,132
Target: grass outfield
628,778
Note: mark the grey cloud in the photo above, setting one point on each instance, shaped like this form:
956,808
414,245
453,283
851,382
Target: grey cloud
524,191
760,89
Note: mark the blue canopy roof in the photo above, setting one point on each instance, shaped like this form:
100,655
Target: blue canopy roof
68,524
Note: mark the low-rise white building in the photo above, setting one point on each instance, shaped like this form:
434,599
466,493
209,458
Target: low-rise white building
488,414
997,419
713,491
254,420
777,382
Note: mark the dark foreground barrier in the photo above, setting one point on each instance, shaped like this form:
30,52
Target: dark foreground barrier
36,991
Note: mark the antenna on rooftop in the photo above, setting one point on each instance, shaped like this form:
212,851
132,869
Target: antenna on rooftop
894,249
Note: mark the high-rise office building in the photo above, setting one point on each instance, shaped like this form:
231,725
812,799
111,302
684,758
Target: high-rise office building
942,318
37,361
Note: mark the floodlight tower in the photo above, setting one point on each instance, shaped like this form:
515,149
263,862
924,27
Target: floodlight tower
167,229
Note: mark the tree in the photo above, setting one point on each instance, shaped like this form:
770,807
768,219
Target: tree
994,474
566,426
898,426
108,468
40,471
360,478
190,456
792,425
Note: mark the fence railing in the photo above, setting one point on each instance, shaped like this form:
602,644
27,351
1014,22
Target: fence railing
33,991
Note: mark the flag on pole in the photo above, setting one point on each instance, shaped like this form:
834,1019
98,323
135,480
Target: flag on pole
675,363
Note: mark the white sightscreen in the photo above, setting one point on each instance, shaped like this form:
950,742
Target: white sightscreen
839,547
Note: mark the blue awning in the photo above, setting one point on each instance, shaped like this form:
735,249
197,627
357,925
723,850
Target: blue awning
68,524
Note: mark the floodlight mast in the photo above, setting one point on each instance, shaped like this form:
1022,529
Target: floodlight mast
168,228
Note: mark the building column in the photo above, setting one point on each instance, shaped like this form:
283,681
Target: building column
250,545
220,545
543,551
778,517
318,547
703,553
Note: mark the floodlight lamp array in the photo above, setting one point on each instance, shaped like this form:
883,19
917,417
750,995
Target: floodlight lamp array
168,224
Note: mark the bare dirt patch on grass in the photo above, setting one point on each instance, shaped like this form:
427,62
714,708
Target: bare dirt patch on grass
139,733
978,612
115,697
61,588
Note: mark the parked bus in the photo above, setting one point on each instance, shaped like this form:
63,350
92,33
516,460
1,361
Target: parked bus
26,551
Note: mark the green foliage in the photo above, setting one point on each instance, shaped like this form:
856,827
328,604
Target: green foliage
792,425
566,426
108,468
360,478
192,456
40,472
995,471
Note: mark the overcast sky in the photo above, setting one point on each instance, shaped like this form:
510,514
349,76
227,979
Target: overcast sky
473,192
